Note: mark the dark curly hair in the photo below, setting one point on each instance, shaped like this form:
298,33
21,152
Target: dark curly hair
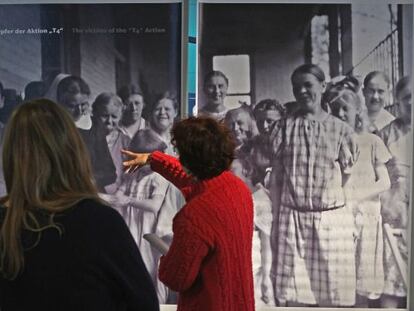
205,146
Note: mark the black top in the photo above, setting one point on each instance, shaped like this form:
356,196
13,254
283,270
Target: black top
93,265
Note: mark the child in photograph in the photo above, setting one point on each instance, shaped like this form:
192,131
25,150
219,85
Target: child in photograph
140,197
262,253
260,156
368,179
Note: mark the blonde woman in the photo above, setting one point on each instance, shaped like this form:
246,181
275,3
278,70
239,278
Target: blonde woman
368,179
60,245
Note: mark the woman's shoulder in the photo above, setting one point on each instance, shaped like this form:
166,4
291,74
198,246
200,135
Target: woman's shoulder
367,138
393,131
219,116
91,212
371,141
335,125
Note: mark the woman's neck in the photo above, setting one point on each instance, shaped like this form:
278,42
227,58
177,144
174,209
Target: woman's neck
317,115
129,122
214,108
132,128
165,134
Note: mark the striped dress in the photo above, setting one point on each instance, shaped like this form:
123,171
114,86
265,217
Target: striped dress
143,186
314,253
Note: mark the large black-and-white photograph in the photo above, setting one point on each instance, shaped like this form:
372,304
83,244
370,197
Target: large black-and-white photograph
117,69
318,97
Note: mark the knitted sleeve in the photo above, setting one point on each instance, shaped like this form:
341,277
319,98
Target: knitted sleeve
180,267
171,169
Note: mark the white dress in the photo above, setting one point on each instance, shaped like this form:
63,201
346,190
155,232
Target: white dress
139,221
367,213
173,202
262,227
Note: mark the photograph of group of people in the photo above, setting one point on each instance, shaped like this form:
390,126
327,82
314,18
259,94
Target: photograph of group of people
326,153
337,214
322,123
117,69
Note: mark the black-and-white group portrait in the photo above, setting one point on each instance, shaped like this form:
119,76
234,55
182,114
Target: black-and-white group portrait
318,97
117,70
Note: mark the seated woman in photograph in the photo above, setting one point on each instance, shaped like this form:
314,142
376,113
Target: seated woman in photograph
61,247
368,179
215,90
398,137
132,120
311,151
107,107
209,262
243,126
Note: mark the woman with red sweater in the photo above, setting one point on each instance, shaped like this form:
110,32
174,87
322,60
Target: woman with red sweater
209,262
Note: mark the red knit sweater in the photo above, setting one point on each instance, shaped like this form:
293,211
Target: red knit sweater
210,259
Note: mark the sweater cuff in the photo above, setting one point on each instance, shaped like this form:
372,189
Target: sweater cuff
155,160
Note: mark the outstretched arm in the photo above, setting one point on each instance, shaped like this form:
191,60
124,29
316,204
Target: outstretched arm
136,160
167,166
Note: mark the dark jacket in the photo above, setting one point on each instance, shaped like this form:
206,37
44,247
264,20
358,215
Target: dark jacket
92,264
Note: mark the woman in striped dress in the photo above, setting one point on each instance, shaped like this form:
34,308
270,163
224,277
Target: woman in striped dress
312,232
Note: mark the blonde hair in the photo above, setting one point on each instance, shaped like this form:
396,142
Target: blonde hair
348,96
46,169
